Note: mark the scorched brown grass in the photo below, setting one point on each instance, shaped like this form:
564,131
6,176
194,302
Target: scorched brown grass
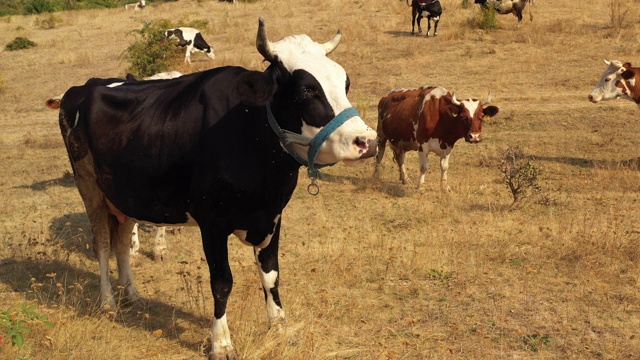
369,269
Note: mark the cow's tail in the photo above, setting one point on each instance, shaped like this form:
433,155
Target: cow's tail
530,14
54,102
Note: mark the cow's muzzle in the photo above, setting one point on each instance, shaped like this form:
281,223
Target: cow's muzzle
473,138
368,147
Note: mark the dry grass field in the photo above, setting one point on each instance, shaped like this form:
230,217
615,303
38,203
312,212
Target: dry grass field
369,269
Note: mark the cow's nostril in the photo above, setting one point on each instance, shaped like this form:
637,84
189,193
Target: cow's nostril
360,142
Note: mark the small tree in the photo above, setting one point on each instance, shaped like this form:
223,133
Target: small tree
151,53
519,174
487,19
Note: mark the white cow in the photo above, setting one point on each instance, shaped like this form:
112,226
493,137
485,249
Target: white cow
139,6
619,81
192,39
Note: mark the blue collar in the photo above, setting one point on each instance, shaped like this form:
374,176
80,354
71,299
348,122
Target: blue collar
288,138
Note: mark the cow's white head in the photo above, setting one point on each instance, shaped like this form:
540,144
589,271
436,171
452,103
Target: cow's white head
307,91
613,82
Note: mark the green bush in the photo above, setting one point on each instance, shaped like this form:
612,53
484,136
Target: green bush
48,22
19,43
38,6
487,19
151,53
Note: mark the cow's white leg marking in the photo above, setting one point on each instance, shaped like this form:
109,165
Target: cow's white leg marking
122,246
160,250
220,339
135,241
269,280
423,154
444,166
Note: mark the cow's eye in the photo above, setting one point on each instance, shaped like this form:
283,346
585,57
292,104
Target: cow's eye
607,79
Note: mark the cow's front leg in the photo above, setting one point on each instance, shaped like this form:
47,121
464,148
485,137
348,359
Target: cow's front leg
428,26
444,166
267,261
419,27
216,252
435,26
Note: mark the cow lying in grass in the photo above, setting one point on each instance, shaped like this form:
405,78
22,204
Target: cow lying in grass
139,6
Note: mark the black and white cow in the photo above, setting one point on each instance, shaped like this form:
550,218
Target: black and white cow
431,9
192,39
220,149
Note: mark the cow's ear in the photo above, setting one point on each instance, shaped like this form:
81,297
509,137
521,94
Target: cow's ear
490,111
255,87
626,65
628,74
453,110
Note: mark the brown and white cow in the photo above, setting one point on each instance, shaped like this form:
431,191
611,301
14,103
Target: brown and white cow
428,119
515,7
619,81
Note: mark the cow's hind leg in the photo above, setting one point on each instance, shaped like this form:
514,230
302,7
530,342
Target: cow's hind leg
160,250
121,243
267,261
216,252
424,165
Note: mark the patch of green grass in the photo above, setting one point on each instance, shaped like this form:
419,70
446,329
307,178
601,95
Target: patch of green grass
19,43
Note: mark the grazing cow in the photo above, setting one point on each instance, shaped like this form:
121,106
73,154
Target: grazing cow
515,7
431,9
619,81
428,119
139,6
192,39
160,250
220,149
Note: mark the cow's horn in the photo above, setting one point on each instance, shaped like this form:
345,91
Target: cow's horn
332,44
487,100
262,42
607,62
454,100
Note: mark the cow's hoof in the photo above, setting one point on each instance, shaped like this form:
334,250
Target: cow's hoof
434,34
161,256
221,355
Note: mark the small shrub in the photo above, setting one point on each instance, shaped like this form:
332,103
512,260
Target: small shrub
48,22
464,4
151,53
487,19
16,320
618,11
519,174
19,43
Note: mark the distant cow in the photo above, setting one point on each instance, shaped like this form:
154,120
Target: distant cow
515,7
192,39
431,9
140,5
428,119
218,149
619,81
